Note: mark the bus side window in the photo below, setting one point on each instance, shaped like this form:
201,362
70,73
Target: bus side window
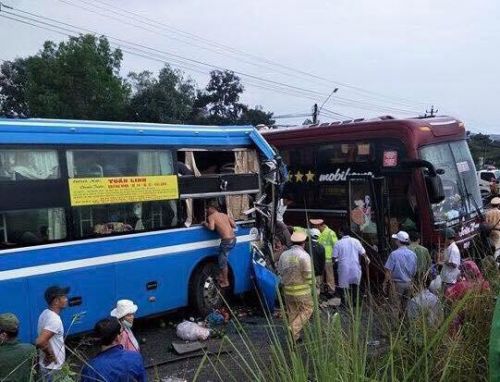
128,213
31,227
17,164
108,219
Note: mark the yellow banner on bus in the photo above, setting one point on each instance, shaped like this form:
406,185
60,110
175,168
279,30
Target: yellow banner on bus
123,189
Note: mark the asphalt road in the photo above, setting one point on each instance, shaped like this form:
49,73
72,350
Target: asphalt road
226,353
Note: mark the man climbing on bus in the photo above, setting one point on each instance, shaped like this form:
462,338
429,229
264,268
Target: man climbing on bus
224,225
327,238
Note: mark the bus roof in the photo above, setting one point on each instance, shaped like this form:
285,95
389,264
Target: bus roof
420,131
53,131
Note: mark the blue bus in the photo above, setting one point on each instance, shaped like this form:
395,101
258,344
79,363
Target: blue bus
114,210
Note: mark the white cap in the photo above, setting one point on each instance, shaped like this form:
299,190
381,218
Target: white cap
123,307
402,237
314,233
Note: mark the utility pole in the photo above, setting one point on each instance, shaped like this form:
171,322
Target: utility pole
432,112
315,114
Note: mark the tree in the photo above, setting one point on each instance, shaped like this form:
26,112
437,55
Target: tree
168,99
256,116
482,146
219,102
12,94
78,79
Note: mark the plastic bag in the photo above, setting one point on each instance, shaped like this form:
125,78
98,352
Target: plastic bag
190,331
436,285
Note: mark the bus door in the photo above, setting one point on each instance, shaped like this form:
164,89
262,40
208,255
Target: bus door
367,215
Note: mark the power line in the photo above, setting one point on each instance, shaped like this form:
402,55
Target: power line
121,12
337,114
194,65
148,55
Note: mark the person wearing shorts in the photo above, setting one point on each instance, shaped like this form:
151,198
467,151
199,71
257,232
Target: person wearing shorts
224,225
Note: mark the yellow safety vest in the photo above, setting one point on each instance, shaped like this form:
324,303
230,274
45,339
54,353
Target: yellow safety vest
328,238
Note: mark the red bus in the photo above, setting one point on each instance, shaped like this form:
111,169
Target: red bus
383,175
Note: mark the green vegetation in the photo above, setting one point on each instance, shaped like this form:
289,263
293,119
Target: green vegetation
369,344
482,146
80,79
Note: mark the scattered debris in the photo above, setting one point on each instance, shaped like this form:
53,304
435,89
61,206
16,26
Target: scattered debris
332,302
215,318
190,331
173,379
187,347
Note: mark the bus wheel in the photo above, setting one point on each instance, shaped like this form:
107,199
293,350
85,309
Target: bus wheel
204,292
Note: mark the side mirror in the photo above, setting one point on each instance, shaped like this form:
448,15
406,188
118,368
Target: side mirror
435,188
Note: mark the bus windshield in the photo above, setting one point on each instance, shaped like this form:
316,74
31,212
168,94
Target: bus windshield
459,179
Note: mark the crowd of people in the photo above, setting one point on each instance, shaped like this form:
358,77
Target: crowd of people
418,287
119,358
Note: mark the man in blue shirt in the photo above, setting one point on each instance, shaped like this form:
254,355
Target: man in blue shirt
400,269
113,363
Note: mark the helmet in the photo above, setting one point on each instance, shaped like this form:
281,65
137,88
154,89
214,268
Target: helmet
314,233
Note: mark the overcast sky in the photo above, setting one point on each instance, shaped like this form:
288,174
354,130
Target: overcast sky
390,56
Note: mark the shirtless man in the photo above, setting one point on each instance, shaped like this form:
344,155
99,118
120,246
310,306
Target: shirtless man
223,224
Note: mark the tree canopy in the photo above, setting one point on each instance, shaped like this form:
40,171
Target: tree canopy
166,99
484,150
80,79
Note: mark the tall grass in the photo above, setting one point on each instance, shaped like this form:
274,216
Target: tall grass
367,343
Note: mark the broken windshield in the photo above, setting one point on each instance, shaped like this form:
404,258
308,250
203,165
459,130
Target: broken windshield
459,182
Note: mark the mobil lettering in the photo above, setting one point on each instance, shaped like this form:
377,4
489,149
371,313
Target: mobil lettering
341,175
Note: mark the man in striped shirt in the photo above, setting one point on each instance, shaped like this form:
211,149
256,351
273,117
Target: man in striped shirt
294,267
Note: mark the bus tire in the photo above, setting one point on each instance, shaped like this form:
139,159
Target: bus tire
204,292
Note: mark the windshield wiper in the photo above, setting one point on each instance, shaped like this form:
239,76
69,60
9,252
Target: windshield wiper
469,196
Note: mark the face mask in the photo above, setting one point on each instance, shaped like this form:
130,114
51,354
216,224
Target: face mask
126,324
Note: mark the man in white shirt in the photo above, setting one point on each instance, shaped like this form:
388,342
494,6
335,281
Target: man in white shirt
451,260
51,333
425,306
346,253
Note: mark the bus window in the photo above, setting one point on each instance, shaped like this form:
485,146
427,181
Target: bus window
468,177
345,152
452,206
28,165
110,219
30,227
298,157
116,163
117,218
333,196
